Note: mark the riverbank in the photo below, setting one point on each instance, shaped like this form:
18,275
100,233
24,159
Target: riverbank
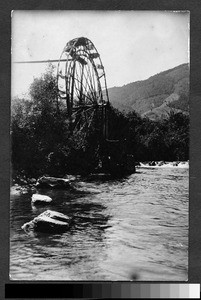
22,185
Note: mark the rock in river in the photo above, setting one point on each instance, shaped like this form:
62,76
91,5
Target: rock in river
49,221
40,199
53,182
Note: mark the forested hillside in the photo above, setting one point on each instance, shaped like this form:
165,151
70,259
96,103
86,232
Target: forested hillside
157,96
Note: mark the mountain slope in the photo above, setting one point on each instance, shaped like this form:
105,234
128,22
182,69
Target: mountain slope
156,96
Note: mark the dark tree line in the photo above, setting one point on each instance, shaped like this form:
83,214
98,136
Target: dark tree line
42,143
166,139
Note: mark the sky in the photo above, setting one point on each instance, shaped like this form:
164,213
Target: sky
133,45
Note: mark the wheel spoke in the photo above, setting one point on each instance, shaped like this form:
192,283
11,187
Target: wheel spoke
79,81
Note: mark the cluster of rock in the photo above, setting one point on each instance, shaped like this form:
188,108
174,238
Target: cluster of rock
49,221
22,185
16,189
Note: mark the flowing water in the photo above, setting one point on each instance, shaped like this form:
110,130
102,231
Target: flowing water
130,229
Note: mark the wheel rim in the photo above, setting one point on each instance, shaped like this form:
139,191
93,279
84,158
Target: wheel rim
81,82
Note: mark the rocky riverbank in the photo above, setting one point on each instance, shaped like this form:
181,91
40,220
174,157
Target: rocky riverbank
23,185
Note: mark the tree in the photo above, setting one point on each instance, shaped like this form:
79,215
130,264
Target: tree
41,140
177,136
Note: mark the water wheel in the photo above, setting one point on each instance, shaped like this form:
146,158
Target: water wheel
82,85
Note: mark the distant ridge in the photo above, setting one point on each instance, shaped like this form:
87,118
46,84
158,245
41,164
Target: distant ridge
156,96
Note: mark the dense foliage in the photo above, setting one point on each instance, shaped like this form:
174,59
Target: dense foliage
165,139
42,143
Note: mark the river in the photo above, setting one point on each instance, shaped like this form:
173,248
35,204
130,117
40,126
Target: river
135,228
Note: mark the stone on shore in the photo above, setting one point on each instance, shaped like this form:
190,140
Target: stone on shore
40,199
18,190
32,180
53,182
49,221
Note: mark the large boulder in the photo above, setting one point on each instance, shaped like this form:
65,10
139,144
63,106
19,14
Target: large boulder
49,221
53,182
40,199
